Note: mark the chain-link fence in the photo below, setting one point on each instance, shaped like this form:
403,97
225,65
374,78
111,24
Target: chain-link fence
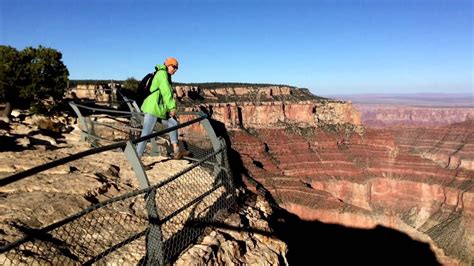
101,126
113,233
151,225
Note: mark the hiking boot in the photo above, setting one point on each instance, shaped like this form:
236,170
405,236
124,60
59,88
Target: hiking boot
180,154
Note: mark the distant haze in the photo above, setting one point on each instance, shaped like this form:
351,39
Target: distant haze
415,99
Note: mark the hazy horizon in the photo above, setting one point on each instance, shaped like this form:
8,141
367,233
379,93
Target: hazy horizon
471,94
454,99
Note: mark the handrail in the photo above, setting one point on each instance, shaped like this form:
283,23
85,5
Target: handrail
207,187
109,102
105,110
18,176
105,203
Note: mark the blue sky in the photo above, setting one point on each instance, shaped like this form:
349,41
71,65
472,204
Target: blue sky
330,47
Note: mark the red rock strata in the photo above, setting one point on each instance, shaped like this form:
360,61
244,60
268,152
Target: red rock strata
385,115
388,177
318,163
266,106
451,146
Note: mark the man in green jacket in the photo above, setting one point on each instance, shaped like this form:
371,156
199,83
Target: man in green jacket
161,105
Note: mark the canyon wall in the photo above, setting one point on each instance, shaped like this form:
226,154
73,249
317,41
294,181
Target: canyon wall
97,92
318,162
396,115
367,180
267,107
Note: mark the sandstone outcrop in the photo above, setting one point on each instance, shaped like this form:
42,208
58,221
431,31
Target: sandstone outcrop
105,92
224,246
267,107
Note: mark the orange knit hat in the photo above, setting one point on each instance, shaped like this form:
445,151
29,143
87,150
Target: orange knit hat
170,61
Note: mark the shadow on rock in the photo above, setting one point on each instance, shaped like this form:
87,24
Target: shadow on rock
9,143
17,143
315,242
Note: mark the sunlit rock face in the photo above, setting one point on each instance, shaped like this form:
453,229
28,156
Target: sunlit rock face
267,107
92,91
102,92
318,162
276,114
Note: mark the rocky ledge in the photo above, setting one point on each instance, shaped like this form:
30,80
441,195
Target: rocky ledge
244,237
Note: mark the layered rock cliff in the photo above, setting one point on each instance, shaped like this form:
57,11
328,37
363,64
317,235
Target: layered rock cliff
319,163
267,107
363,181
398,115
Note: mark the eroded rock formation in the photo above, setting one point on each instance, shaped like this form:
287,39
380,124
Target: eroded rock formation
267,107
363,181
318,163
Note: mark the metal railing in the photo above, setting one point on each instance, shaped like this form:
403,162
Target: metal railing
150,225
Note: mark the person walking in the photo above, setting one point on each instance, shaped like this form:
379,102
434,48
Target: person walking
160,105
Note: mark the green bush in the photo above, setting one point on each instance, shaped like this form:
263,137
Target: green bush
30,76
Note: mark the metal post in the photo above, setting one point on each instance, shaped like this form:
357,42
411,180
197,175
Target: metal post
154,239
136,164
210,131
134,110
226,168
87,131
216,144
81,119
137,108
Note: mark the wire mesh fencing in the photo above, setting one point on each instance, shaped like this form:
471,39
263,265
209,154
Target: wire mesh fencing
149,226
196,197
111,233
102,126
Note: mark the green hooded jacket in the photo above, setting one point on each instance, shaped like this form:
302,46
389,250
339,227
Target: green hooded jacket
160,102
